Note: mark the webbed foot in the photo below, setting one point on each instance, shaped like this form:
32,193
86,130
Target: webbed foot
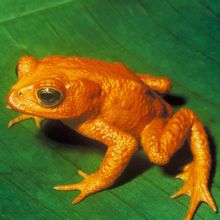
195,188
91,184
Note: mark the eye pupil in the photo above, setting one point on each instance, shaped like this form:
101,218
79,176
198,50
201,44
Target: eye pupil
49,97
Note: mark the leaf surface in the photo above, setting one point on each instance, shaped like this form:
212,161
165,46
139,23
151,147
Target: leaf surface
178,39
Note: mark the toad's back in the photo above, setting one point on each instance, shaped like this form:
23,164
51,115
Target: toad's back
91,68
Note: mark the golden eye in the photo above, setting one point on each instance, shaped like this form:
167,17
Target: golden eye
49,97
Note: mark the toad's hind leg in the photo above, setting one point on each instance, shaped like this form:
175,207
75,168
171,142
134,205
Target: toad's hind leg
158,84
161,139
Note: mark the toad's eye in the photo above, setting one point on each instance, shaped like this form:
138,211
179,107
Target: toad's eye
49,97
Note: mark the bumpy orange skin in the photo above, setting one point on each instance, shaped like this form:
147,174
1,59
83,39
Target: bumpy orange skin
109,103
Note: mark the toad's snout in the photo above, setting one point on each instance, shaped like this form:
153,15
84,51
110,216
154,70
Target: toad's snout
13,99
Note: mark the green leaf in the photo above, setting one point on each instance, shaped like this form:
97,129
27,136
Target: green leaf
174,38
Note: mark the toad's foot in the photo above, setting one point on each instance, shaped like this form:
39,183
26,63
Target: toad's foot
91,184
23,117
195,188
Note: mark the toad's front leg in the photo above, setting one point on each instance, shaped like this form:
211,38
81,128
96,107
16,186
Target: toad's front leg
23,117
121,147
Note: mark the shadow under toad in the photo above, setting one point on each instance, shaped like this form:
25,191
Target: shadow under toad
174,100
69,138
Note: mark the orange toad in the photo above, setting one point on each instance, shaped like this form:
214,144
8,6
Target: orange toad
111,104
